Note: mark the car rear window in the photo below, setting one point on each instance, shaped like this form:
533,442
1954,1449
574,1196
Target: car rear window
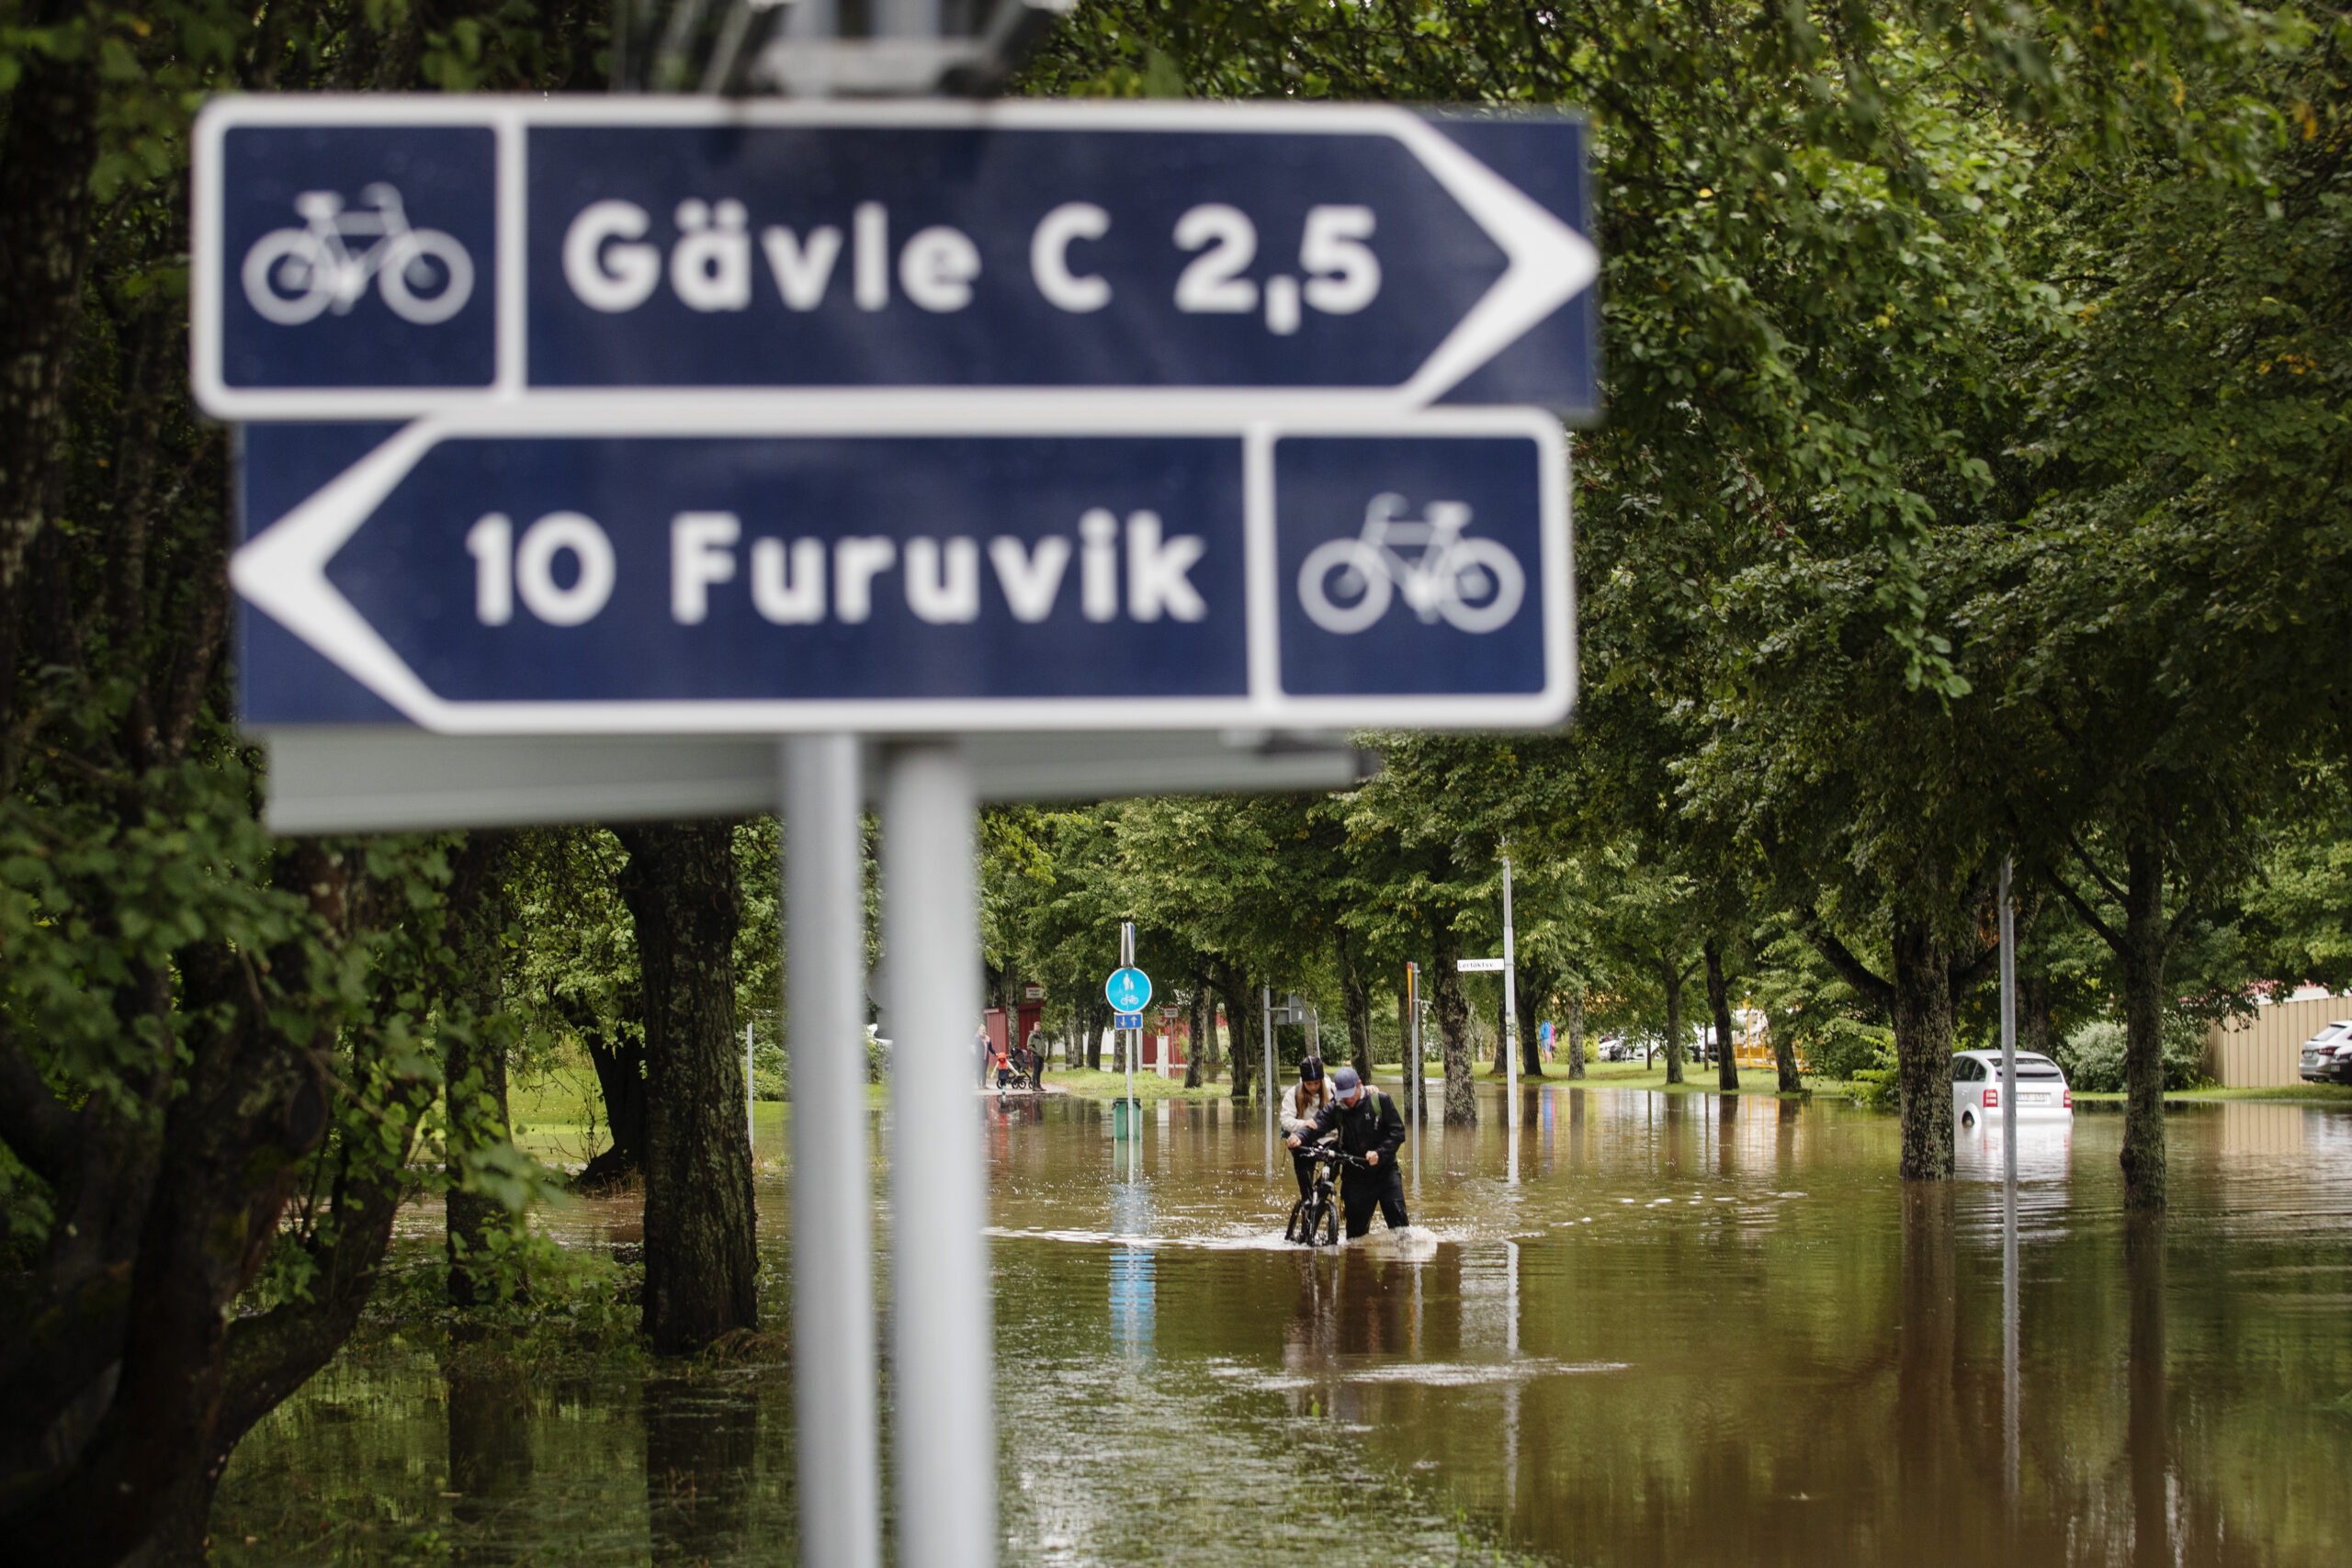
2037,1067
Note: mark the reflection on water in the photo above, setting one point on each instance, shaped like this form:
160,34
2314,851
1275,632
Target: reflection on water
1698,1330
1131,1266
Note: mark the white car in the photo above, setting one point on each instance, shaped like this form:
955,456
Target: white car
1976,1088
2327,1056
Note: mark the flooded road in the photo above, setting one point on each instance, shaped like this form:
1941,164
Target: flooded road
1695,1330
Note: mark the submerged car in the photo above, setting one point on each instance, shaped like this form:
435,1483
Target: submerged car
2327,1056
2042,1094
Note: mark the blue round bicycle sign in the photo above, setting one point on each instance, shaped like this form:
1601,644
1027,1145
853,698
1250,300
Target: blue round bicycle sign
1130,990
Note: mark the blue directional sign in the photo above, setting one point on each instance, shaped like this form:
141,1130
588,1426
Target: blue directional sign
385,256
1126,1021
1128,991
491,575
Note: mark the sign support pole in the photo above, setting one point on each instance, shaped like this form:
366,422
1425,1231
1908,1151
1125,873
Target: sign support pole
942,1359
1510,1027
1266,1076
2009,1195
832,1235
1413,1052
1135,1049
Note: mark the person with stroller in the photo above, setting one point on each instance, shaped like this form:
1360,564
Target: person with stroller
1371,1132
1301,1102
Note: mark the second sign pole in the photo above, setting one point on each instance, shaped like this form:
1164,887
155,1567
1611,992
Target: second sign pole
941,1355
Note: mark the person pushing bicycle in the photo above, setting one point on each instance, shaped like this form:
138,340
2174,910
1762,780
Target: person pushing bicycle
1300,1103
1370,1129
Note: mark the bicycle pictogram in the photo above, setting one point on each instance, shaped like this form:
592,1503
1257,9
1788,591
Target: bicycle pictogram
292,274
1476,585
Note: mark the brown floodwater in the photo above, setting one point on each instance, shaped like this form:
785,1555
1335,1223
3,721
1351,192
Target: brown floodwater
1694,1330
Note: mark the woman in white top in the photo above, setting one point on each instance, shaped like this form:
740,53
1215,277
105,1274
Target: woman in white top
1309,1095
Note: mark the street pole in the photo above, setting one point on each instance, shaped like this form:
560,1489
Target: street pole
1511,1026
2008,1031
941,1342
832,1228
1135,1041
1266,1076
1413,1049
2009,1377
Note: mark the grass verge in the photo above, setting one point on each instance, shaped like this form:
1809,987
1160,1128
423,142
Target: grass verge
1089,1085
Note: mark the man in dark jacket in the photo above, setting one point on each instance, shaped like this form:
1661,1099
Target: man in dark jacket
1371,1130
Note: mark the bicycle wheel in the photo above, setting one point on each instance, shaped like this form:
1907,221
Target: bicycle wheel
1355,570
1331,1218
288,278
1482,585
409,267
1292,1230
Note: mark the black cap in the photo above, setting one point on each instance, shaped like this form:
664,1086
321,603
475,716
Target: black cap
1311,1070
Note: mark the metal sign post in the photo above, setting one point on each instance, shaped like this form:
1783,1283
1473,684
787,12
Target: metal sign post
832,1226
2009,1374
1413,1045
1266,1073
942,1337
1128,991
1510,1029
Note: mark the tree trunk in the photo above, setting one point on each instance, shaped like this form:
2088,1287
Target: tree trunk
2143,1023
617,1053
269,1355
473,1069
1242,1017
1573,1006
1500,1066
1090,1021
1192,1052
1670,974
1355,1001
1923,1049
2037,1009
47,151
701,1263
1532,995
1452,1010
1784,1061
1719,1006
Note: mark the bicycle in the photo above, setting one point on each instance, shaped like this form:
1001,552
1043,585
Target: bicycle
292,274
1315,1219
1476,585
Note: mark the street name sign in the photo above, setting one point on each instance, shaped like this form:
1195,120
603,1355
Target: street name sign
1481,965
1128,991
383,256
612,571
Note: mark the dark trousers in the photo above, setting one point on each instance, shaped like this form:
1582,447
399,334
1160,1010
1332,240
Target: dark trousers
1361,1189
1303,1168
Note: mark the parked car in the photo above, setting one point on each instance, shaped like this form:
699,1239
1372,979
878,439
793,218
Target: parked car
2042,1092
2327,1056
